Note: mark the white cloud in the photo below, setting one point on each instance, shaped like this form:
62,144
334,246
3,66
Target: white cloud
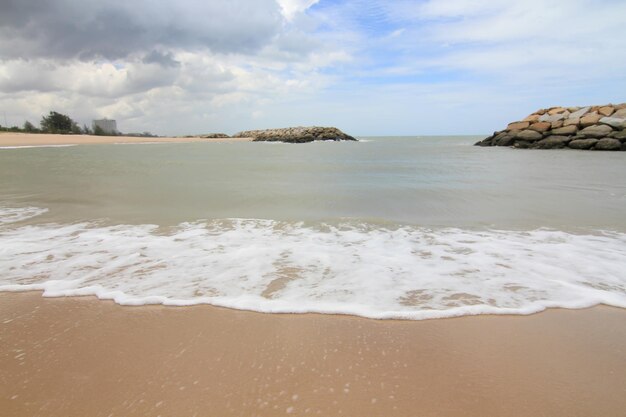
369,66
290,8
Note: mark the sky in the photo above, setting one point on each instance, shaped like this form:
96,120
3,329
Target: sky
394,67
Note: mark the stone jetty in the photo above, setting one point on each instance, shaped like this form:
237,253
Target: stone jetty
589,128
295,134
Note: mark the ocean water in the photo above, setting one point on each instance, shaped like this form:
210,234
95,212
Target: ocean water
410,228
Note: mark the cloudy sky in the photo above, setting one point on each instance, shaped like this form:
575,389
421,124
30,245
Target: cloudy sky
402,67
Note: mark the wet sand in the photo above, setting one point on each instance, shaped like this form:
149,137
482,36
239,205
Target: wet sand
85,357
27,139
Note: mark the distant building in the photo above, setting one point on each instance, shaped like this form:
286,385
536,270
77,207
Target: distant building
107,125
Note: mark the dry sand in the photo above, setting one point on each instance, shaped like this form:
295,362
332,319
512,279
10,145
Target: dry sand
84,357
28,139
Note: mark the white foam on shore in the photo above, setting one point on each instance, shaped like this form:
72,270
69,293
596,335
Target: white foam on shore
280,267
17,214
146,143
37,146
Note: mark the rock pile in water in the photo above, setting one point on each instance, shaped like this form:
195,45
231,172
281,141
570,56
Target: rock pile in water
214,136
593,127
296,134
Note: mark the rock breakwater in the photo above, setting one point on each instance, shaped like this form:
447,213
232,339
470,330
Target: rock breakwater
210,136
588,128
295,134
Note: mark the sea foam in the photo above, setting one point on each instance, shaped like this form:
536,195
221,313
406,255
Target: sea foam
37,146
354,268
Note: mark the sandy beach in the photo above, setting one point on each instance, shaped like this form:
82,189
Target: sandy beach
26,139
85,357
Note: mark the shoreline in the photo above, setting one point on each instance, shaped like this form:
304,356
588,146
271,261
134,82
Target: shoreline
8,139
83,356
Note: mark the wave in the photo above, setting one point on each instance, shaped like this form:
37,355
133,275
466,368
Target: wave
36,146
18,214
362,269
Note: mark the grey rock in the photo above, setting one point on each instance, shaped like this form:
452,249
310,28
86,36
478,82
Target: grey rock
522,144
608,144
583,143
618,135
214,136
488,141
565,130
552,118
553,142
579,113
597,131
614,122
296,134
504,139
529,135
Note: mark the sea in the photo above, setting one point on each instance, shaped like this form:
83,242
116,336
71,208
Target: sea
385,228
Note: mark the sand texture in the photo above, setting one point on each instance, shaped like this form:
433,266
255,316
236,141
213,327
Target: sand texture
26,139
84,357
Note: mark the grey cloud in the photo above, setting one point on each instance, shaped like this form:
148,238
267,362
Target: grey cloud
164,59
28,76
118,28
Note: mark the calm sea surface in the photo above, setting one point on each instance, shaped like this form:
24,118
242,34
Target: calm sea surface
411,227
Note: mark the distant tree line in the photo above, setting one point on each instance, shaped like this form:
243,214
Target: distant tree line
62,124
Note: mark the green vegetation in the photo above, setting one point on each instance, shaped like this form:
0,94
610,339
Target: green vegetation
29,127
60,123
98,131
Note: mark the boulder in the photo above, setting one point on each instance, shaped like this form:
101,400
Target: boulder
484,142
518,125
560,127
614,122
503,139
556,110
606,110
553,142
565,130
532,118
214,136
579,113
529,135
590,119
551,118
541,126
597,131
608,144
296,134
618,135
621,113
583,143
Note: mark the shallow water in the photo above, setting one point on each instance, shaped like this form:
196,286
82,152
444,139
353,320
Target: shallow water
388,227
